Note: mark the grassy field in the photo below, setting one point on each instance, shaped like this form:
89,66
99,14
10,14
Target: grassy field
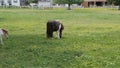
91,39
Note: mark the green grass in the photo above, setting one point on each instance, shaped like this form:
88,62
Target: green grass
91,39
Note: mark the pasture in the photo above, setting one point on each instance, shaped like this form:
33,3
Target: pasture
91,39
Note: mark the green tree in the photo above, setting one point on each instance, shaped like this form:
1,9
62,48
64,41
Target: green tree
115,2
69,2
29,1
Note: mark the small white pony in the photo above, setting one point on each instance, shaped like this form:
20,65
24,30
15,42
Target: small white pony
3,32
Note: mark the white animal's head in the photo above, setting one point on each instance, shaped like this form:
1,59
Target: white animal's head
5,33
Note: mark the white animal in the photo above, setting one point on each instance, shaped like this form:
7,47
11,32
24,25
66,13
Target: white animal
3,32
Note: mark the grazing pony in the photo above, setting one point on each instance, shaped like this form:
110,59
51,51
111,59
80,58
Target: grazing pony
3,32
54,25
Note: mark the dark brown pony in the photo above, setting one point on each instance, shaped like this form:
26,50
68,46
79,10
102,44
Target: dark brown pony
52,26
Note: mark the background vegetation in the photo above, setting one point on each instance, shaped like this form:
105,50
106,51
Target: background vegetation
91,39
114,2
69,2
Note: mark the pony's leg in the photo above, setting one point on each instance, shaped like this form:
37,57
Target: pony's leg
58,32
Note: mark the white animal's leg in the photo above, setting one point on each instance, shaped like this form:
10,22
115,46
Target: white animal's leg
1,41
58,32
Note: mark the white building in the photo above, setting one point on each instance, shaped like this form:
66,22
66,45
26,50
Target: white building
9,2
44,3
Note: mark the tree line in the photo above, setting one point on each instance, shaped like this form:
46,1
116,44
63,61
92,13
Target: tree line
70,2
114,2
